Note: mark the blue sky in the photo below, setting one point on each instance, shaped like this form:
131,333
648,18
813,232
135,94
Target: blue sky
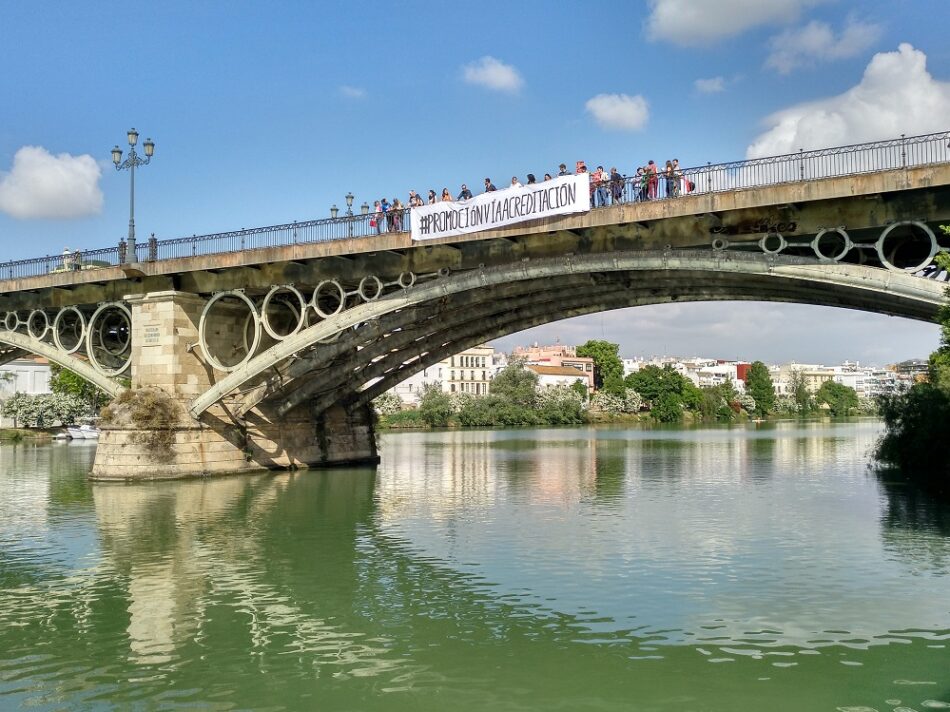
267,113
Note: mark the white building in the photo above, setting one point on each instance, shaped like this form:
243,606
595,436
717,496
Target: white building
467,372
553,376
410,390
30,375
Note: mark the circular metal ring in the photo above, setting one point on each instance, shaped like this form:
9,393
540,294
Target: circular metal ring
371,288
11,321
91,333
299,312
407,279
57,322
203,342
443,272
879,246
320,291
34,315
816,244
720,243
764,243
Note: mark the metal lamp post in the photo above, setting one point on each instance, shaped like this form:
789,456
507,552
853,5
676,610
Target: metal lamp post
349,212
130,164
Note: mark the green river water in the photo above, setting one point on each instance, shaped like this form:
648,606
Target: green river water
564,569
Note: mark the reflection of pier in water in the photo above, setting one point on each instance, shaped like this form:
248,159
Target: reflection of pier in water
186,546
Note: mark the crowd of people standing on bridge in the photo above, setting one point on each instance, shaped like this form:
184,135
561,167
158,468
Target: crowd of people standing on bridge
649,182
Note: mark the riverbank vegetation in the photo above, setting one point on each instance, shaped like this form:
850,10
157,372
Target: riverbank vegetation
72,399
656,394
917,422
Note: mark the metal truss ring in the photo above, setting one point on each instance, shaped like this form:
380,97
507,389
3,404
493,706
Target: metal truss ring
370,289
320,292
406,279
202,322
92,332
720,243
30,326
816,244
301,313
764,243
57,324
11,321
879,246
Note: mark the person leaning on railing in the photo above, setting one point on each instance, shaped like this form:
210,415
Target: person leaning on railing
617,182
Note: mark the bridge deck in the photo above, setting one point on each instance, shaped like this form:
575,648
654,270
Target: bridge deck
698,204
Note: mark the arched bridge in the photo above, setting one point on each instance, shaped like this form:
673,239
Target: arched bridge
274,353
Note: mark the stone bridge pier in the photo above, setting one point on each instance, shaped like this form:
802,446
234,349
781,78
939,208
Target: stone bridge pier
165,357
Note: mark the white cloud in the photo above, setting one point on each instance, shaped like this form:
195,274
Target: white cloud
710,86
619,111
352,92
493,74
41,185
816,42
704,22
897,95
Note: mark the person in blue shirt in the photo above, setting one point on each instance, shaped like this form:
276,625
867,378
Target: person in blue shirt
386,206
465,193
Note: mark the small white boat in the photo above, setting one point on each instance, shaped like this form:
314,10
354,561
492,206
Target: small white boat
83,432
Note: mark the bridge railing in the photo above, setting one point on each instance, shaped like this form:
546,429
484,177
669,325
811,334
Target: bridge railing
903,152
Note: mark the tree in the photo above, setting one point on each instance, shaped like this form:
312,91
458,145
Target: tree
798,387
516,384
916,422
560,405
841,399
663,387
608,368
387,403
44,409
758,384
580,388
65,382
435,406
668,408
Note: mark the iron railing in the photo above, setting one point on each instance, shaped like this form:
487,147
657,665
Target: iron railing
901,153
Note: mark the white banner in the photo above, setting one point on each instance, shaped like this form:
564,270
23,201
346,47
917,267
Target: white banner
559,196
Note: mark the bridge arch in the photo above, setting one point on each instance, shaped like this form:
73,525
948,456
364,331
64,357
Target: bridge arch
74,364
383,339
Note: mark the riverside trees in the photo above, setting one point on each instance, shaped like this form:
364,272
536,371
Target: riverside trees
917,422
759,385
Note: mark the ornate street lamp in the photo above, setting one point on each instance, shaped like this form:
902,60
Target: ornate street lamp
130,164
334,211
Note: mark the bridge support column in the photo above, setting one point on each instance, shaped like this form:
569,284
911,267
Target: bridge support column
167,374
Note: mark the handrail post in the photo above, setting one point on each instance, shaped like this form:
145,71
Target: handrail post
903,153
801,164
